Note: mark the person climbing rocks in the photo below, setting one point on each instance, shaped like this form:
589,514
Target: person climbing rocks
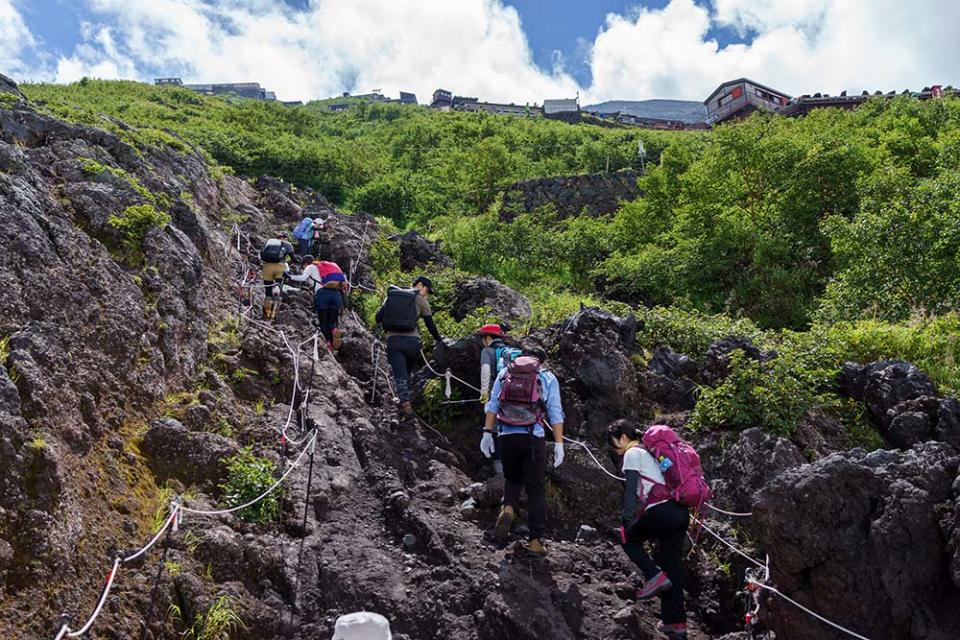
303,233
524,399
398,315
274,256
321,238
650,514
496,354
329,284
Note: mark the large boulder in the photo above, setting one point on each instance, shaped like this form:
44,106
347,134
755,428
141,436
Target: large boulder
416,252
716,364
883,385
737,471
855,537
504,303
192,457
669,379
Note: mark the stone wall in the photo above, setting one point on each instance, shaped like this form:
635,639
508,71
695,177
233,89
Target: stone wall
593,194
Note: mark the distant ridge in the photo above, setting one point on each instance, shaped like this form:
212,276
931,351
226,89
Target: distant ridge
686,111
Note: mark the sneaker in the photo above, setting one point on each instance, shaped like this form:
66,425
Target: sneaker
654,586
504,520
536,549
676,631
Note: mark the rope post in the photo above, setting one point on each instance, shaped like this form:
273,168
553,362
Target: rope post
303,539
448,391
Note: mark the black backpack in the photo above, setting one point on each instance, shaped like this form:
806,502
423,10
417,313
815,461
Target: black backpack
400,311
273,251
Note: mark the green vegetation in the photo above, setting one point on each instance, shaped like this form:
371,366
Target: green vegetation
8,100
249,476
218,622
134,224
829,237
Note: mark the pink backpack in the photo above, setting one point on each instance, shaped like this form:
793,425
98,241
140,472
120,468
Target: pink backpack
520,398
684,481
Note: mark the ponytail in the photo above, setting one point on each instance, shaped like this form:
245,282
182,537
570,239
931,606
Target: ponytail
624,427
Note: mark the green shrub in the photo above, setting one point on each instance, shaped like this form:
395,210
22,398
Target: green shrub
134,224
689,331
218,622
249,476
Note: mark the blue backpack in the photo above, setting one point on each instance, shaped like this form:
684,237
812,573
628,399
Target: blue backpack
505,355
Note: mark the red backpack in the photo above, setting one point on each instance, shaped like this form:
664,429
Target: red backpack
331,275
683,475
521,402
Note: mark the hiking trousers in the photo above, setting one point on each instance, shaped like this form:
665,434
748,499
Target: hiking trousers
328,303
666,523
403,354
304,246
524,467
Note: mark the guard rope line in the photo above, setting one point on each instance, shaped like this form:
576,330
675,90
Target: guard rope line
448,375
808,611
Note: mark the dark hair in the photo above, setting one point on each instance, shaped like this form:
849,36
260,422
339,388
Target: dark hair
536,352
306,258
625,427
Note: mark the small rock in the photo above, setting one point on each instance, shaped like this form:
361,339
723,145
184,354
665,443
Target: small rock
587,534
469,509
624,615
409,541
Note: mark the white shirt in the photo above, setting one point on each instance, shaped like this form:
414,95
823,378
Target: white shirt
642,461
312,273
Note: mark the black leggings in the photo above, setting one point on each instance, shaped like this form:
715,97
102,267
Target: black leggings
524,467
667,523
403,354
327,303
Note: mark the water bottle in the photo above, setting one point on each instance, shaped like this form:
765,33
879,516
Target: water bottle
665,463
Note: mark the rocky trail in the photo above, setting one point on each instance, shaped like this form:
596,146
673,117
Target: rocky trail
131,373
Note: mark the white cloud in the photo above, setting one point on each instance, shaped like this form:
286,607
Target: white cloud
797,47
478,47
16,40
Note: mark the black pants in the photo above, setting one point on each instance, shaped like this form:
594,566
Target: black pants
403,354
524,467
667,523
328,303
304,245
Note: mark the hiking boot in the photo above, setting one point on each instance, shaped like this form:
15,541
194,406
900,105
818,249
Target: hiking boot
676,631
654,586
337,339
536,549
504,520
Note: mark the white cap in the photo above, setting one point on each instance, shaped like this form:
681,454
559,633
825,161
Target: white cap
362,625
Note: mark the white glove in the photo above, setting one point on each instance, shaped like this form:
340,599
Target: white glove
557,454
486,444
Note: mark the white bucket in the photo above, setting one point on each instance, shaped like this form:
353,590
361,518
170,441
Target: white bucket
362,625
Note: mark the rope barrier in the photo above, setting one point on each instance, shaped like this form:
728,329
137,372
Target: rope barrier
448,373
816,615
733,514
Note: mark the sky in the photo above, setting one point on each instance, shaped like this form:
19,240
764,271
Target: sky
500,50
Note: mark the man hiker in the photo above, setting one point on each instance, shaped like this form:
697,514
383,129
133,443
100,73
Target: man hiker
329,283
524,399
274,256
496,354
650,513
303,233
398,315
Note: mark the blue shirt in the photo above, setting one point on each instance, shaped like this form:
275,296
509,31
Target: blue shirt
304,230
549,386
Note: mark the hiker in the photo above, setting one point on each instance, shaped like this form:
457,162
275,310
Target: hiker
329,285
303,233
524,399
398,315
321,238
494,357
651,511
274,256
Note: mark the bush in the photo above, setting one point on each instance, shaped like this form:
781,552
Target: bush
248,477
134,224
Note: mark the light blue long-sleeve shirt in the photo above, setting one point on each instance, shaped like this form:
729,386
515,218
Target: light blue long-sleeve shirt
549,386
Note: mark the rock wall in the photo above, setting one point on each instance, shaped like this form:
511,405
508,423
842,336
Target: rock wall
593,194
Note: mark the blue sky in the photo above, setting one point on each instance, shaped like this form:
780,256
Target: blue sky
501,50
569,26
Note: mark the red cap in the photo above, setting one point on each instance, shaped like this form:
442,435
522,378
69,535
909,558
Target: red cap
490,330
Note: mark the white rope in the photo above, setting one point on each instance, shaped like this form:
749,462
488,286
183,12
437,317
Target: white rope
594,458
729,545
734,514
173,516
809,611
103,599
444,375
263,495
